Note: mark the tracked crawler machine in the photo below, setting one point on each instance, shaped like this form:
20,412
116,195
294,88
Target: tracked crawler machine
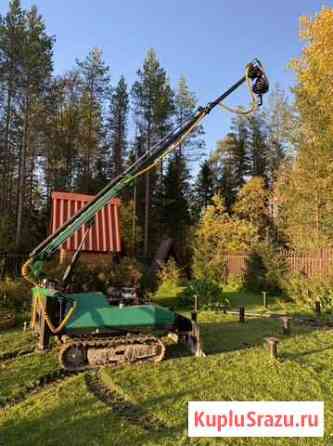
94,333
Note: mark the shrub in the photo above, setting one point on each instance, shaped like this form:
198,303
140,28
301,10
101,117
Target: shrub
170,280
15,294
170,273
305,291
235,282
207,292
217,234
125,273
266,269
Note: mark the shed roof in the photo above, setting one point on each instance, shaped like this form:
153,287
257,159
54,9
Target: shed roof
104,234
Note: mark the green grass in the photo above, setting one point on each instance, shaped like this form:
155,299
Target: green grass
19,375
15,340
237,367
302,373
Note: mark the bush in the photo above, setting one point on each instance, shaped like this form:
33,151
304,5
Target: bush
170,274
15,294
170,280
208,293
305,291
266,269
125,273
235,282
217,234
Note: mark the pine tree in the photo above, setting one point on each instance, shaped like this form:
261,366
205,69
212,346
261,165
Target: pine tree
229,164
153,108
281,122
176,213
94,77
117,126
12,34
185,105
258,151
60,129
25,68
204,187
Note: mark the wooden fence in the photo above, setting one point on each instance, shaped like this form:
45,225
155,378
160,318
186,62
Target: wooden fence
311,264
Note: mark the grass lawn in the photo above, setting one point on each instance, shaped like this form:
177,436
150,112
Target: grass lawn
15,340
237,367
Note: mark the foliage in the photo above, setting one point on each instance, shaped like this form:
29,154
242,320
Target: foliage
175,213
266,269
229,163
170,273
26,65
305,193
249,150
153,105
281,120
204,188
170,280
131,231
235,282
127,272
305,291
216,235
93,88
207,292
15,293
185,105
252,204
7,241
313,69
117,126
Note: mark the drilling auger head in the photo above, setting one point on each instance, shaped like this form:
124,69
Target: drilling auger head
260,83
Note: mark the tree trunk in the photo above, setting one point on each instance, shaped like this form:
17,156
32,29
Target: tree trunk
147,205
6,191
21,185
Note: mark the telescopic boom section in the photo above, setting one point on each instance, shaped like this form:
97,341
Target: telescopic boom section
50,245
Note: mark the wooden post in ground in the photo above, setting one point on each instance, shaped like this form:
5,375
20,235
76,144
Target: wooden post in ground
264,298
241,314
272,344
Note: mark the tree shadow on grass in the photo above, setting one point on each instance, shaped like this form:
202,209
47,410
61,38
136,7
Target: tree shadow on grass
297,356
249,299
219,337
228,335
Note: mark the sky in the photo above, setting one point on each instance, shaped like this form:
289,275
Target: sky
209,42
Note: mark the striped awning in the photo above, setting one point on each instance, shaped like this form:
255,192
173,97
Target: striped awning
104,234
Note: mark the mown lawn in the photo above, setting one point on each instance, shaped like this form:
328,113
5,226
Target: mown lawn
237,367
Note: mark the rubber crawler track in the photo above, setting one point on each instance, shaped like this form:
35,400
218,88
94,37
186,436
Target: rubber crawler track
133,413
109,343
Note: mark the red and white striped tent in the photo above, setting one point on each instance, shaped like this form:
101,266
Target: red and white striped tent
104,234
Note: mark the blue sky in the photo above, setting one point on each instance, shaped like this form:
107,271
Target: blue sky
207,41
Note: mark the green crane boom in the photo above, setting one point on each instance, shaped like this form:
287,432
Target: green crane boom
93,331
46,249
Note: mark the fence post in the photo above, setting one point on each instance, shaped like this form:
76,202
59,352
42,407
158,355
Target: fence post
241,314
264,296
317,307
